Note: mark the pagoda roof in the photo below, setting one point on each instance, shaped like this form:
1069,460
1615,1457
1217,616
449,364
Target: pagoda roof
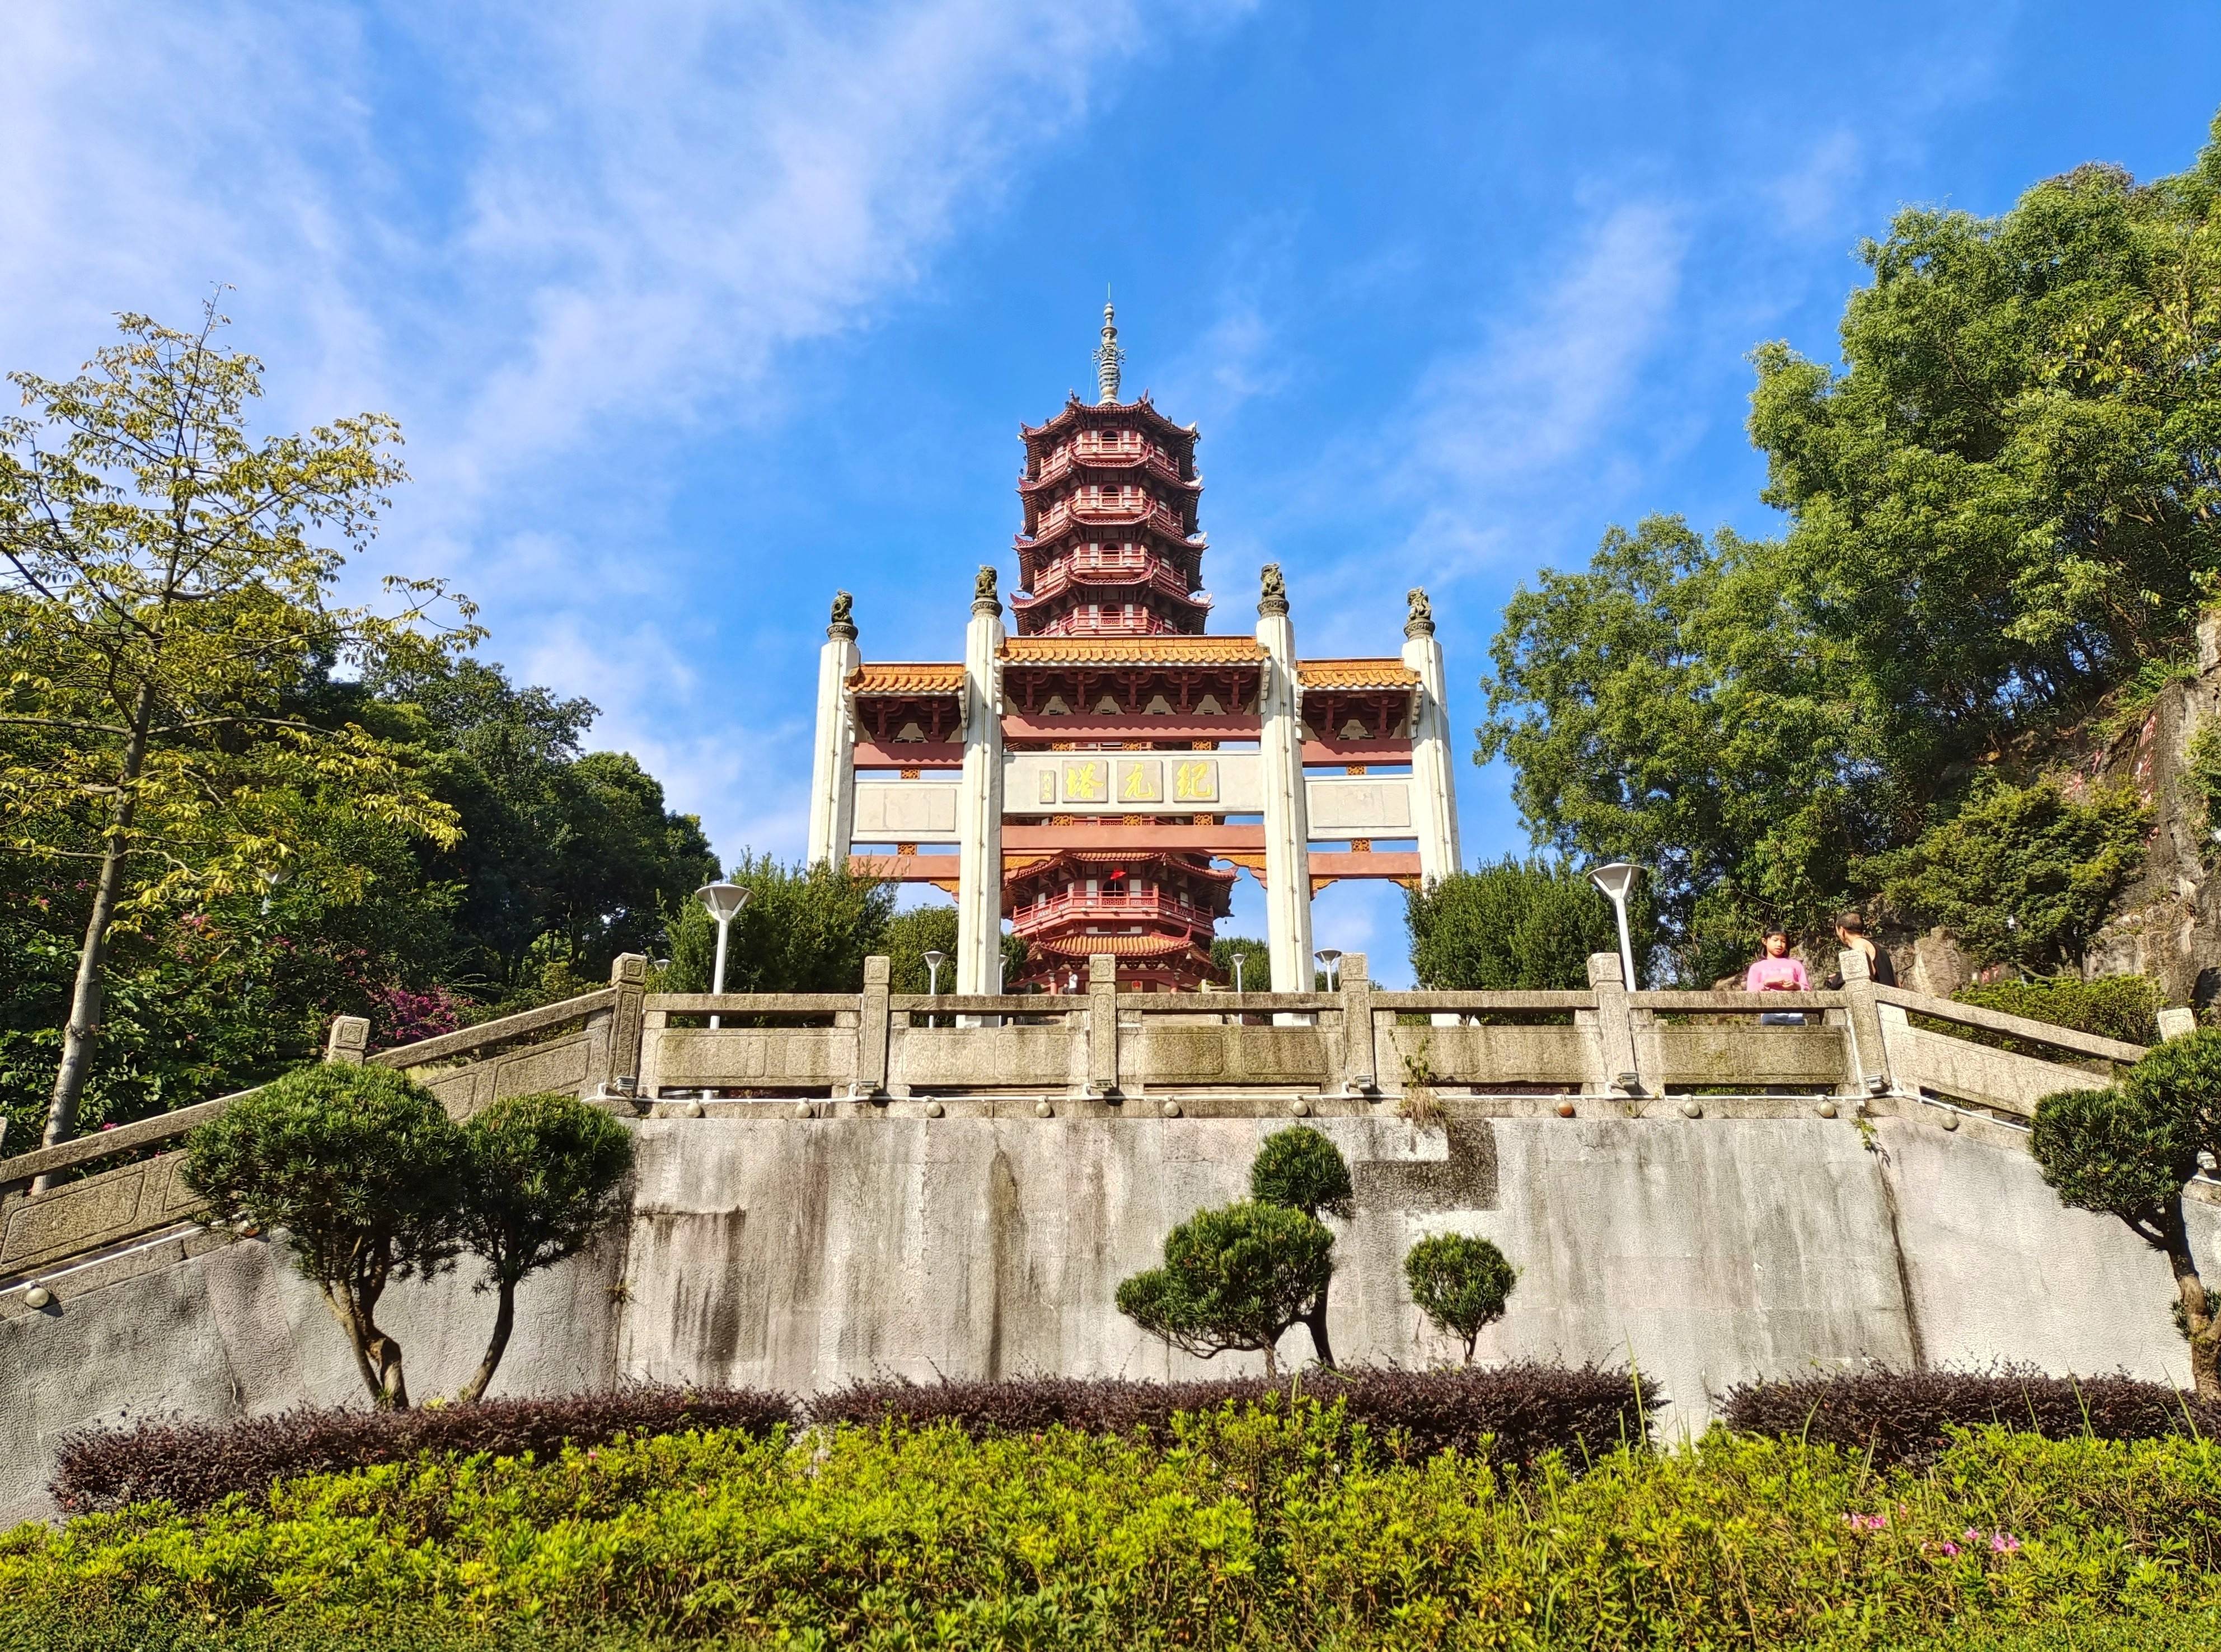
908,677
1389,673
1076,413
1075,945
1175,650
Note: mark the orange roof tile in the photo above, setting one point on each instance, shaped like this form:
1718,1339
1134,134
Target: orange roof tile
1132,651
907,677
1357,673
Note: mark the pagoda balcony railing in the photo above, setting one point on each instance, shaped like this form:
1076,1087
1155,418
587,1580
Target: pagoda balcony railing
1151,573
1158,908
1068,460
1121,515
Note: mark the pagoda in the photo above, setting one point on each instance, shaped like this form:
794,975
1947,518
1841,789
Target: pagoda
1107,773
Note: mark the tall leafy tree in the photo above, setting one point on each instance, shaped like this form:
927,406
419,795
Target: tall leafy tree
1299,1169
1236,1279
805,929
1515,925
166,587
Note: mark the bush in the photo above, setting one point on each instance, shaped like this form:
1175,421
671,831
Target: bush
1234,1280
196,1465
2125,1007
1512,1414
1905,1417
1460,1283
1279,1525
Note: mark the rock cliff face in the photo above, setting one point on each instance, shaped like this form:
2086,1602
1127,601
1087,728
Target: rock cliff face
2167,923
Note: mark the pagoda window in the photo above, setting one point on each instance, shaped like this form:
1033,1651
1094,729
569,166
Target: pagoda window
1094,888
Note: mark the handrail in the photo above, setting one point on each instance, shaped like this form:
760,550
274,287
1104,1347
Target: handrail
1677,1002
2038,1032
1470,1003
985,1003
752,1002
466,1039
102,1144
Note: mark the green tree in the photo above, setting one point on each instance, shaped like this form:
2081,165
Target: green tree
906,940
2127,1151
541,1177
1233,1279
805,929
1460,1283
1517,924
163,598
361,1167
2004,508
1299,1169
2021,874
1256,963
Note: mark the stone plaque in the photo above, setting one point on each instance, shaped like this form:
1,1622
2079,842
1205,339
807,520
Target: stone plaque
1195,780
1086,780
1140,780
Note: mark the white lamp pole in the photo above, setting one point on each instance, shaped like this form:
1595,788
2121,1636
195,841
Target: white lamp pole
1237,972
933,961
723,901
1329,956
1614,880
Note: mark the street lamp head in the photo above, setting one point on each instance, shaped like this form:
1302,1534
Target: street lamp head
935,957
723,900
1328,956
1615,880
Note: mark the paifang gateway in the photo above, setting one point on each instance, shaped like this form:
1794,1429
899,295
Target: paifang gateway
1107,773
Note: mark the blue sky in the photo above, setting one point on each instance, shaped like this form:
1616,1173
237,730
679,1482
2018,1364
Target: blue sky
693,311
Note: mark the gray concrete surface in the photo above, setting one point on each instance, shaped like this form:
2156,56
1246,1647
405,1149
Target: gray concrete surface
798,1255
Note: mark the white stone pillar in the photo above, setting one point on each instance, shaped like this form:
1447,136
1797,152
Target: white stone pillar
1287,820
979,799
1434,786
833,760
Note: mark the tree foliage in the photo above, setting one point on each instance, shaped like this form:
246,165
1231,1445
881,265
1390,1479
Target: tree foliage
541,1176
2020,874
1233,1279
362,1169
2126,1150
2004,508
1300,1169
1256,963
1516,924
1460,1283
806,929
165,585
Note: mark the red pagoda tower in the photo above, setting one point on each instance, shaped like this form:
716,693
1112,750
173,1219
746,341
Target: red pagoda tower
1110,560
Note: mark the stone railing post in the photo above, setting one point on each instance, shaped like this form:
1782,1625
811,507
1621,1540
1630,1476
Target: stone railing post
872,1024
1617,1067
628,978
1102,1025
1869,1066
348,1040
1360,1072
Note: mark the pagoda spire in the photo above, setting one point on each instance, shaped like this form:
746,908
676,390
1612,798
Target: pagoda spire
1109,358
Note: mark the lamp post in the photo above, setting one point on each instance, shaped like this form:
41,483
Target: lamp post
1237,972
723,901
1614,880
933,961
1329,956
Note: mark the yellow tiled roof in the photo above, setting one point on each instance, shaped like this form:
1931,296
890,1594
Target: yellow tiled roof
908,677
1357,673
1132,651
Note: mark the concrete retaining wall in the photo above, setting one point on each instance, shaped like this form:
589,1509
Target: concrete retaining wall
798,1255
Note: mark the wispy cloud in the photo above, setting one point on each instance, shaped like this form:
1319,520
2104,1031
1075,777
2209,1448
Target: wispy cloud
548,236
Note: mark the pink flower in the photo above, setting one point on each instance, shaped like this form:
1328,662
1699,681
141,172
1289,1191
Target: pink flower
1868,1522
1951,1549
2003,1543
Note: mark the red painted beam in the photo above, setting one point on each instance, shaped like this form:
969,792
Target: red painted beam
1112,834
1018,726
910,754
1389,751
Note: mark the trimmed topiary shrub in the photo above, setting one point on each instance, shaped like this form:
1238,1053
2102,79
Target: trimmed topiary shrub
1907,1416
196,1465
1514,1413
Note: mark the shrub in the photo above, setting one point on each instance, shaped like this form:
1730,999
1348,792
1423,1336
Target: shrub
1234,1278
1516,923
2125,1007
1300,1169
1905,1417
195,1465
1512,1414
1275,1526
360,1166
541,1176
1460,1283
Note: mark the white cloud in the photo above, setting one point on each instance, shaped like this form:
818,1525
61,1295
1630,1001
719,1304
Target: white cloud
545,235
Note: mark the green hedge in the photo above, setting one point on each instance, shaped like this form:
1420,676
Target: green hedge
1260,1526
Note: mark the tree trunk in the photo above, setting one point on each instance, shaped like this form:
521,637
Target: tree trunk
1469,1341
340,1303
392,1386
1272,1364
1316,1320
2204,1335
504,1320
83,1027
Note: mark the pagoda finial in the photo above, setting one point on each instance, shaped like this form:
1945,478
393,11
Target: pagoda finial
1109,358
